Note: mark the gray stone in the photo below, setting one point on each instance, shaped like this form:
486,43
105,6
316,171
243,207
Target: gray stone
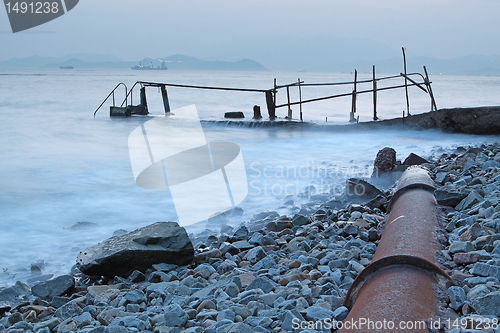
338,263
49,324
414,159
488,304
351,229
291,319
135,297
255,254
265,284
161,242
226,314
232,289
316,313
441,176
240,234
16,293
175,316
488,212
243,245
118,329
267,262
68,310
457,297
359,190
470,200
340,313
483,269
479,290
84,319
163,267
226,266
130,321
228,248
490,164
300,220
234,328
461,247
448,198
194,329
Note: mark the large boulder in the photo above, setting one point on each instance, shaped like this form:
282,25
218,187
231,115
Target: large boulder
161,242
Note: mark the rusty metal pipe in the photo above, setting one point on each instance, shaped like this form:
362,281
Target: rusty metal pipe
403,282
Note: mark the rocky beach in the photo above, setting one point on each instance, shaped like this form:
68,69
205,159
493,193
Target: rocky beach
276,271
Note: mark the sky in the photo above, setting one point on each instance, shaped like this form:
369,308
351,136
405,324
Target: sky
263,30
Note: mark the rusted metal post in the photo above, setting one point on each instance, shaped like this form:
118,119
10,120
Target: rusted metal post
406,84
428,84
403,282
288,98
353,105
144,102
275,92
164,95
271,105
374,96
300,99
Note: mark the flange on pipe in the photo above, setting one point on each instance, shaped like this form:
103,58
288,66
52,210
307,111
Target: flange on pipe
400,291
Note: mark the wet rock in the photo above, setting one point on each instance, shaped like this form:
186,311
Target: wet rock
488,304
48,324
135,297
316,313
240,234
235,328
69,310
175,316
255,254
340,313
414,159
161,242
457,297
263,283
448,198
470,200
359,190
461,247
300,220
385,160
56,287
16,293
483,269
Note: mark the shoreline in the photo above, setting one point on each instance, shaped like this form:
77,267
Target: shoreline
291,268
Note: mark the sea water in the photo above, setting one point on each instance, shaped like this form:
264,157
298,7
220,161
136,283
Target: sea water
61,166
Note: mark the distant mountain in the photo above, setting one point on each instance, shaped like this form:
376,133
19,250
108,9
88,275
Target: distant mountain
173,62
77,63
469,65
29,62
87,57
